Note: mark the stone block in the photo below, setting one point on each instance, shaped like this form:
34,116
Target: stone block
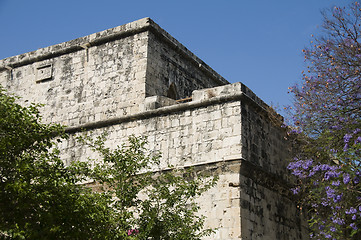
155,102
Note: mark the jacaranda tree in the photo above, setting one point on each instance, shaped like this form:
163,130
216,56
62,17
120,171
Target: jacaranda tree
42,198
326,127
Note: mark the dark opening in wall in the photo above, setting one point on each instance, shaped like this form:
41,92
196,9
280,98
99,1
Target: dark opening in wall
172,92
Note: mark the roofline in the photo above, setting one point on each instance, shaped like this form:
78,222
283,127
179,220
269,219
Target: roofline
109,35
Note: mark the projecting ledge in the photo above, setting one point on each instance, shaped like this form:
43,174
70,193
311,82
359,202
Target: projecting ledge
239,96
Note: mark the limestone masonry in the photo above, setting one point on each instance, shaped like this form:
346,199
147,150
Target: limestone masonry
137,79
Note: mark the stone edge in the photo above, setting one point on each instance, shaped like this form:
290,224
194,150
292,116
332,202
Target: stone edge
240,96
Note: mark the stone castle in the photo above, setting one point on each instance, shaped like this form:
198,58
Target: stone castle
137,79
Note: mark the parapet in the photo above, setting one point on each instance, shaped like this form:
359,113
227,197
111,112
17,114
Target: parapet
106,74
106,36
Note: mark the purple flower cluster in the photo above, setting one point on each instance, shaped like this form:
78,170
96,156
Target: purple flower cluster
305,168
338,221
353,225
331,182
336,183
131,232
351,211
346,178
296,130
348,136
299,167
332,196
295,190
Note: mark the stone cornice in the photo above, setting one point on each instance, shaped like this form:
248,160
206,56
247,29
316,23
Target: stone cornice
240,96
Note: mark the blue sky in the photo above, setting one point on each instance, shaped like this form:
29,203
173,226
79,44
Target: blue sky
258,42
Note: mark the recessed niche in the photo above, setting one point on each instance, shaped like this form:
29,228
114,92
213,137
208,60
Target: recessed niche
44,73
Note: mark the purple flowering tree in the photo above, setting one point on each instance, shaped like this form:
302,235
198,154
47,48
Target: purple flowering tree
326,127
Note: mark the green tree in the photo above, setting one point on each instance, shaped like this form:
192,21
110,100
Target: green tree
148,204
42,198
39,195
327,127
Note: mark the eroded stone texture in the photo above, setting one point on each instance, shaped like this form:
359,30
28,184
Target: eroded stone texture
87,85
131,80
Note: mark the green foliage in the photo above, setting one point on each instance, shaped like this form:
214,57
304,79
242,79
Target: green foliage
42,198
39,195
148,203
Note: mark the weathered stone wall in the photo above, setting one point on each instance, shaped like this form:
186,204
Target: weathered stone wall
87,79
171,67
107,81
118,80
267,208
251,199
106,74
263,141
186,134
